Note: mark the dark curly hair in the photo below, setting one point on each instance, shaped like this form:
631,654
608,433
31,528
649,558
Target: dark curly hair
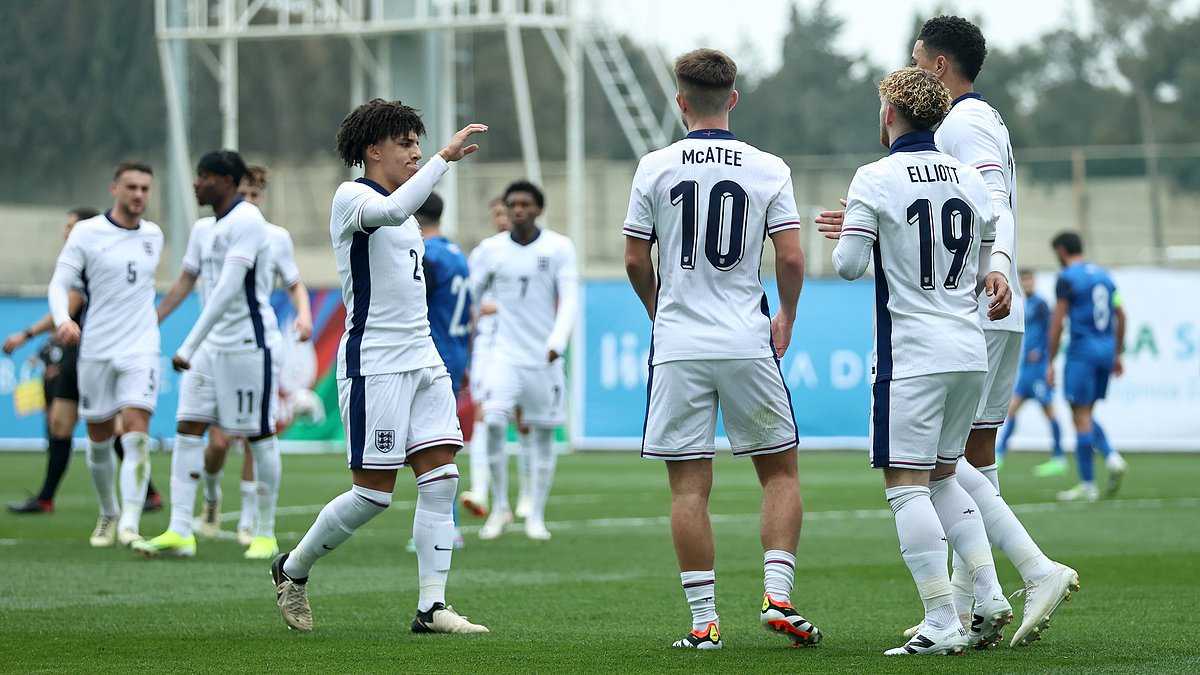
527,187
374,122
958,39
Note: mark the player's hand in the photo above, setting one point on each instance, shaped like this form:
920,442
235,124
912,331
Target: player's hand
553,356
13,342
487,309
68,333
1118,366
180,364
303,328
1050,376
457,148
829,223
781,333
996,287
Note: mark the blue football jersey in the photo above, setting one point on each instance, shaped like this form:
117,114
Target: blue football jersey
1037,331
447,284
1091,296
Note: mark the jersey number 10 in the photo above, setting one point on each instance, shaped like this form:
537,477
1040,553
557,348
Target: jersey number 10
920,213
688,193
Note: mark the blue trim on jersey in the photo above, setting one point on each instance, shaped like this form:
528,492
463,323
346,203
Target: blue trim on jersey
712,135
252,305
108,216
536,235
913,141
237,200
376,187
264,420
791,407
882,388
358,420
969,94
360,284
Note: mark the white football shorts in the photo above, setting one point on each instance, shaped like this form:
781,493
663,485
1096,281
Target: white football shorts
388,417
107,386
1004,360
540,392
917,422
681,415
236,389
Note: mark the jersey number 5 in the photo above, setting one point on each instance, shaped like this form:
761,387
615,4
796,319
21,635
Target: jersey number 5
724,192
920,213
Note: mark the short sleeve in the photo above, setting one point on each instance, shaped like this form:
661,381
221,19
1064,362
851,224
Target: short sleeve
191,256
862,204
782,213
246,239
285,260
1062,288
639,219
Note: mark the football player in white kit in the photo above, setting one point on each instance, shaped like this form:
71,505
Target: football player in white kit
531,274
228,379
974,133
393,390
921,215
113,257
287,275
710,201
483,340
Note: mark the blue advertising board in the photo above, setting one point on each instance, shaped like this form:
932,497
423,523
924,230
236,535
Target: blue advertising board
827,368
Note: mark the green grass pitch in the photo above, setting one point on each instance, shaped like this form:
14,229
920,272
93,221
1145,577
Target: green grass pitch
603,595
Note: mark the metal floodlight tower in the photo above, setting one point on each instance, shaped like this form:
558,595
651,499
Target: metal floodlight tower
401,48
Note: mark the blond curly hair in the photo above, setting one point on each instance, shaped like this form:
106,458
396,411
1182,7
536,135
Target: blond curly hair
919,95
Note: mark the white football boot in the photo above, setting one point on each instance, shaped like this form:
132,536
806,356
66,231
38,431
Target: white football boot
1117,467
443,619
988,619
105,534
1084,492
494,527
1042,598
949,640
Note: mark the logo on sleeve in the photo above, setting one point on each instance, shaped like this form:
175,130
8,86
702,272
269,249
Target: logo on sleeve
385,440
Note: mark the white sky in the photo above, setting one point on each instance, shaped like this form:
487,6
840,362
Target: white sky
878,28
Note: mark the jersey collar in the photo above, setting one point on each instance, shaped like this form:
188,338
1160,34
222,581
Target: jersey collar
108,215
913,141
969,94
372,184
537,235
712,135
237,200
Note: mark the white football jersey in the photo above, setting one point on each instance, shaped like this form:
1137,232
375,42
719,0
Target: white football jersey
387,317
926,213
974,134
485,326
284,272
115,269
525,283
241,233
710,201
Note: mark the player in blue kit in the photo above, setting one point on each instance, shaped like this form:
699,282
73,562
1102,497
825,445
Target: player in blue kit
1031,378
1088,298
447,290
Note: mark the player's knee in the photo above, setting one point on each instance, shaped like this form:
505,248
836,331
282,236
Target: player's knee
61,426
190,428
135,419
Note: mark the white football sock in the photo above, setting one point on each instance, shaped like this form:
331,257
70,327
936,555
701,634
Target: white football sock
1003,528
990,472
249,513
479,459
923,547
333,526
542,462
187,463
700,589
779,570
134,476
524,464
962,585
498,463
433,532
212,486
266,471
965,533
103,465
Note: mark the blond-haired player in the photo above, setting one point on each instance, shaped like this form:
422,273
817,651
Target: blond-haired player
920,215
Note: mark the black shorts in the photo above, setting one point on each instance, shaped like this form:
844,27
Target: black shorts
65,382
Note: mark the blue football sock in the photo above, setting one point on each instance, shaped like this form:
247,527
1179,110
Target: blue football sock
1100,439
1083,456
1056,432
1005,433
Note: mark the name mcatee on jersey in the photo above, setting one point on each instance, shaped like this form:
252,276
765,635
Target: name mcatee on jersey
713,155
935,173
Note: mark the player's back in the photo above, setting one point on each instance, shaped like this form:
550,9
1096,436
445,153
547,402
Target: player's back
931,212
383,289
447,280
710,200
117,267
974,133
1091,297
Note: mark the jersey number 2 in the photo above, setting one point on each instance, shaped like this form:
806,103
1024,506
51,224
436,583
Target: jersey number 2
724,192
920,213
